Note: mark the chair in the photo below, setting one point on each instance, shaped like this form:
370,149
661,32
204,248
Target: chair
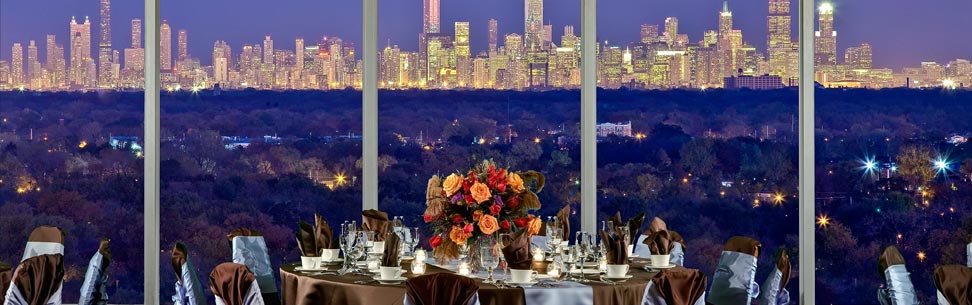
677,286
37,281
657,224
441,289
188,288
734,282
232,284
6,272
968,251
44,240
898,290
94,290
774,289
250,249
953,284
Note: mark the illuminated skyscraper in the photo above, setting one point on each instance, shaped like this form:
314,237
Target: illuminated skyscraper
183,45
778,40
80,51
17,65
221,58
268,50
390,74
299,53
165,46
859,57
725,19
462,39
106,79
493,35
649,33
136,33
533,24
56,65
430,16
825,43
671,30
33,64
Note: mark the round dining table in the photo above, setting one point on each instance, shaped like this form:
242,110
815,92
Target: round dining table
325,287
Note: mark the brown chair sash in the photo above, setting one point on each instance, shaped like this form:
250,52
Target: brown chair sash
6,272
890,257
179,257
230,282
39,277
955,283
47,234
744,244
783,264
440,289
680,286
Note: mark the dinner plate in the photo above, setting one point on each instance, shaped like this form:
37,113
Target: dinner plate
527,284
586,271
333,262
670,266
393,281
617,279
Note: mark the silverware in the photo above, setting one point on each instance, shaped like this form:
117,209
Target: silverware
364,282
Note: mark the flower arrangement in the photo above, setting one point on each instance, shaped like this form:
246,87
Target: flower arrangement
464,207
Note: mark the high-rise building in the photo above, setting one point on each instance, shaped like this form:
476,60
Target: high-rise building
268,50
136,33
825,42
671,30
56,65
80,51
859,57
33,64
725,19
533,24
165,46
462,39
221,60
299,53
493,34
430,16
778,40
17,65
106,77
390,74
183,45
649,33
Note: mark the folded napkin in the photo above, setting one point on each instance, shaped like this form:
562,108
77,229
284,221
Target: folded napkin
955,283
888,258
38,278
563,217
745,245
440,289
306,240
616,248
390,259
323,234
376,221
517,253
660,243
634,225
230,282
6,272
657,224
104,247
783,264
680,286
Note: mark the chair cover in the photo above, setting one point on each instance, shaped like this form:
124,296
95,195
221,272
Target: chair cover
232,284
188,287
677,286
898,290
734,282
441,289
37,281
44,240
94,290
677,254
953,284
250,249
968,251
6,272
774,289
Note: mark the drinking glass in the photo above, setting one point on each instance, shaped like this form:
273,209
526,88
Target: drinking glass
585,247
413,240
566,261
505,239
553,238
489,258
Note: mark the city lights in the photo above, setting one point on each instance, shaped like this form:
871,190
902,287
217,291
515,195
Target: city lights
823,221
778,199
922,256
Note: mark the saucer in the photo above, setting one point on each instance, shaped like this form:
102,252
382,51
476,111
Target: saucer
527,284
617,279
586,271
393,281
333,262
670,266
633,255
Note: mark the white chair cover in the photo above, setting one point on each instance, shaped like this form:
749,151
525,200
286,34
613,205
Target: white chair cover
189,292
771,293
251,251
95,283
734,282
941,298
37,248
968,255
566,293
14,297
652,297
677,255
473,301
899,290
253,297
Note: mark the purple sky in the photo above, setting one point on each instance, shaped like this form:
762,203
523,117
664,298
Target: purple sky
933,28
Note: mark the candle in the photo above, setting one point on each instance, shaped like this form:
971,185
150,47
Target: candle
418,267
464,268
372,264
553,271
537,255
602,265
420,255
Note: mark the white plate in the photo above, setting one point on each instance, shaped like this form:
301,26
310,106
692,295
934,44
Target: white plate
615,279
586,271
670,266
528,284
393,281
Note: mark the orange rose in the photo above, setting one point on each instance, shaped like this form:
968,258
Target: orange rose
452,184
514,182
488,224
480,192
458,235
477,215
533,225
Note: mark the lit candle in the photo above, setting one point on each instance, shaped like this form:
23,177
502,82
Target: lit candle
464,268
537,255
420,255
372,264
553,270
602,265
418,267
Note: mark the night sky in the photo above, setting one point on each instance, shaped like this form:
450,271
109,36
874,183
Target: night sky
935,30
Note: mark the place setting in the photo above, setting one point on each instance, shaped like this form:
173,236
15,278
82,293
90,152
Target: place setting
660,243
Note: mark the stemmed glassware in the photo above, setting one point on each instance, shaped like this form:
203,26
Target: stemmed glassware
567,262
554,237
489,259
504,240
585,247
348,235
412,240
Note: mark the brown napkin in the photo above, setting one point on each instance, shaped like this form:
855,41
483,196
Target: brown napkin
39,277
680,286
783,264
390,259
323,234
105,250
376,221
615,221
517,253
306,240
634,226
955,283
616,248
657,224
888,258
230,282
47,234
660,243
179,257
743,244
563,217
440,289
5,274
677,238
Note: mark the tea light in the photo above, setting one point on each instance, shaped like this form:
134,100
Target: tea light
420,255
537,255
418,267
553,270
602,265
464,269
372,264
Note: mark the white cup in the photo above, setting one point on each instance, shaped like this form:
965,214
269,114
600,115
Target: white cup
389,273
617,271
330,255
379,247
310,262
660,260
522,275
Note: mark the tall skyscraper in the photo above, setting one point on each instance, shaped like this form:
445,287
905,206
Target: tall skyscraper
462,39
80,40
825,43
17,65
268,50
533,24
430,16
221,58
778,40
136,33
859,57
183,44
55,62
299,53
671,30
165,46
106,78
493,35
33,64
725,19
649,33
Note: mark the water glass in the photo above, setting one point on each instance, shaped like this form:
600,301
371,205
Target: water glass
489,259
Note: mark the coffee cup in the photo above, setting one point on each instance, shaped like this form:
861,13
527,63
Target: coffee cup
660,260
522,275
329,255
310,262
616,271
390,273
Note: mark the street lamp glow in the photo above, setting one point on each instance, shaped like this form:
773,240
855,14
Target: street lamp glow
949,83
823,221
826,8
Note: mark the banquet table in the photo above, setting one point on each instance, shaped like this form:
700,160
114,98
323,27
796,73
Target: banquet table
308,288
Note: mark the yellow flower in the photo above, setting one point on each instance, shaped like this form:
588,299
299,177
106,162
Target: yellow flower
514,182
533,225
452,184
480,192
488,224
477,215
458,235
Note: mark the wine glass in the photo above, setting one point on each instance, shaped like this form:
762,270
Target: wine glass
584,249
554,238
489,260
413,239
505,239
566,261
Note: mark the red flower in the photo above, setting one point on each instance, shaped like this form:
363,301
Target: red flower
495,209
505,224
457,219
513,202
520,222
427,218
501,187
468,228
435,241
469,199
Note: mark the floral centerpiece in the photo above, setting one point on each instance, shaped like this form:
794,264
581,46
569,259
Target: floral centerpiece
465,208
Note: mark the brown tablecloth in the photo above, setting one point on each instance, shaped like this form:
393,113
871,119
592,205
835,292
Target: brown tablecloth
303,289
